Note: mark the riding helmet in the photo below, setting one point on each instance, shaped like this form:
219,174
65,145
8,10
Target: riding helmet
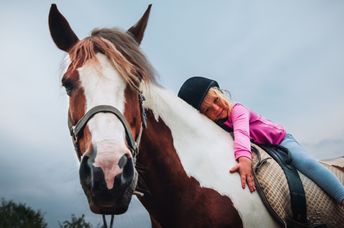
194,90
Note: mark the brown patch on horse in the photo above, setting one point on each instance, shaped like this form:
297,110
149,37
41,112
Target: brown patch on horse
174,198
132,113
77,106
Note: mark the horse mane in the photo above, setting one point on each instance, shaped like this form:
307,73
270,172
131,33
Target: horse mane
120,48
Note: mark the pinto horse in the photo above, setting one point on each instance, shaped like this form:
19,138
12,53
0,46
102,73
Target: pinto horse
159,146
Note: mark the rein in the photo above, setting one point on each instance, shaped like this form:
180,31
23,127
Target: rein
75,131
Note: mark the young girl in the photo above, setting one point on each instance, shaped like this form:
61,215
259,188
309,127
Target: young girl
205,95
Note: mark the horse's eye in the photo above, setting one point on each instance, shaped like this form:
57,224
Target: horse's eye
69,86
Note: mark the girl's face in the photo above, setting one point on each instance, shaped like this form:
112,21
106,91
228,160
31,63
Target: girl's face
215,106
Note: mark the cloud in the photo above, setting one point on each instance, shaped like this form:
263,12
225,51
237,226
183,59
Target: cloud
284,60
30,175
326,149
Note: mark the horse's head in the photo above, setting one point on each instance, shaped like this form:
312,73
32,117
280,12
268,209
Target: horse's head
102,80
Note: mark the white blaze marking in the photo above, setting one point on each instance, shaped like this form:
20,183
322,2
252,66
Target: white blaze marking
206,153
104,86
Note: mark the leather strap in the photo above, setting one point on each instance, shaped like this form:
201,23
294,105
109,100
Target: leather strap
79,126
297,193
103,108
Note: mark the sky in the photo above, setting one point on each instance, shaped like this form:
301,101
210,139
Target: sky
283,59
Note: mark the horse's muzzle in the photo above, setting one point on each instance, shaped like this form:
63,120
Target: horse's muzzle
101,199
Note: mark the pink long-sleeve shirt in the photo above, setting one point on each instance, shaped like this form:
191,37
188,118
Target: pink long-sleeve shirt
248,125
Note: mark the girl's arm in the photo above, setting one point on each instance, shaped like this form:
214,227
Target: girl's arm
242,145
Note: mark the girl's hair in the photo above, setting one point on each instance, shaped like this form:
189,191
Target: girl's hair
226,93
216,92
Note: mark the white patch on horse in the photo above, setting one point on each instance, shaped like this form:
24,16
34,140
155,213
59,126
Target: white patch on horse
206,153
104,86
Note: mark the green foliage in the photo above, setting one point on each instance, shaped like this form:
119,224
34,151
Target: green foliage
17,215
76,223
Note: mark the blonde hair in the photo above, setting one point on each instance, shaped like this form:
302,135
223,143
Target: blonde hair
214,92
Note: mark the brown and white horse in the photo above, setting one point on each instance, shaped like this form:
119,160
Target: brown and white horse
184,157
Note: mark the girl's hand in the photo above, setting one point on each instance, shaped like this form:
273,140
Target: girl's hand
244,167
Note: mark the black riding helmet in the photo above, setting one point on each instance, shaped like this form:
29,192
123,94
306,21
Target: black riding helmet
194,90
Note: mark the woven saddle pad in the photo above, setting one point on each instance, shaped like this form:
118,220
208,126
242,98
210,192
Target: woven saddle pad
273,188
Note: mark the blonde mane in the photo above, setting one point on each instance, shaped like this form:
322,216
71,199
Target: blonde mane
120,48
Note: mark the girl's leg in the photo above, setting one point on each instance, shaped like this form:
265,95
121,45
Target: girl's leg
313,169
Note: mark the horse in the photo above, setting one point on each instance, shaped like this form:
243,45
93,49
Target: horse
131,134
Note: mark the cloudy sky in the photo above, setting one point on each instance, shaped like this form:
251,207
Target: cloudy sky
283,59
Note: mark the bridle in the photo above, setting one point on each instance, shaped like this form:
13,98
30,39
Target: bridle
75,131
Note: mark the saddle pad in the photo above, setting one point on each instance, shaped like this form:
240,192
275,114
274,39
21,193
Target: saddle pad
273,188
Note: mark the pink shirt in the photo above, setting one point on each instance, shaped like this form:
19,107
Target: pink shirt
248,125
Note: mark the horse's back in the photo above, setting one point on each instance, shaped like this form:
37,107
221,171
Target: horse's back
336,166
321,209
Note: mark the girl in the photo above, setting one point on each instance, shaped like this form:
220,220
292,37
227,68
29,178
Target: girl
205,95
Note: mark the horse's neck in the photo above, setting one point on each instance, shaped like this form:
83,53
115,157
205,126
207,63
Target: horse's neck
185,159
175,152
161,176
195,138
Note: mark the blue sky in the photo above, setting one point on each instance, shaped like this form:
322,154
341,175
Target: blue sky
282,59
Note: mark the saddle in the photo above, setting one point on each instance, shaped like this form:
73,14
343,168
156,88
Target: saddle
292,198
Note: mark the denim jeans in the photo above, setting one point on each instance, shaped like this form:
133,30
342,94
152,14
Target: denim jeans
311,168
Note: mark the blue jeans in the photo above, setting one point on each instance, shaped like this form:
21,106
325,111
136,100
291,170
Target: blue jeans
311,168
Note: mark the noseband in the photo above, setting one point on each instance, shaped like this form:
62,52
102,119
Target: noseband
76,129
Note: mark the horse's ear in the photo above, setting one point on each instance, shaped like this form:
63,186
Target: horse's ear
138,30
60,31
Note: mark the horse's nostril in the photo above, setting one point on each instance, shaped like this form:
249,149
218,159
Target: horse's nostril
122,161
